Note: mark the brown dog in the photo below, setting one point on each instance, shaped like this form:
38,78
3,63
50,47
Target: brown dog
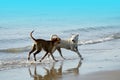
47,46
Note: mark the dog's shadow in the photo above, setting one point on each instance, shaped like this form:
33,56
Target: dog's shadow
53,72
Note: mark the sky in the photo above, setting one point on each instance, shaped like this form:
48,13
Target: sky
68,10
57,6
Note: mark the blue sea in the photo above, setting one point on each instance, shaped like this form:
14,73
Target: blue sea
96,21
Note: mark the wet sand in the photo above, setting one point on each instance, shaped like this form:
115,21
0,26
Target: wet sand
102,75
58,71
69,69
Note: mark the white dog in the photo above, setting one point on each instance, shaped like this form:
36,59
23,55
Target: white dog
70,44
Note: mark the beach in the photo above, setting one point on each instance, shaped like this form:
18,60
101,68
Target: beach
93,68
97,22
99,63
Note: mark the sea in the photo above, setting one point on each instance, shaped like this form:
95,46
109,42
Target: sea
98,28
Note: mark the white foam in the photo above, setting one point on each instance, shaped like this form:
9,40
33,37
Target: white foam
84,42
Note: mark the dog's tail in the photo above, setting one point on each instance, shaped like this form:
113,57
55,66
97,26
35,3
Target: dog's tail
32,36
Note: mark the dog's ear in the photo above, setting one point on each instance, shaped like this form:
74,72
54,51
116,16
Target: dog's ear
56,39
53,39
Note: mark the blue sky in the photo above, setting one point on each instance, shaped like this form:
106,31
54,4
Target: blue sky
58,6
59,9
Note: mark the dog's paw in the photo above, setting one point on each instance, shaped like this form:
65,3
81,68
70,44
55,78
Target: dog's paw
40,61
28,58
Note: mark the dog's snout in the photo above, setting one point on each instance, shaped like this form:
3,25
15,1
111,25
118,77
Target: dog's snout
73,40
58,42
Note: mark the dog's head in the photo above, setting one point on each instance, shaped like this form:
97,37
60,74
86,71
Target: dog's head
54,36
74,38
56,41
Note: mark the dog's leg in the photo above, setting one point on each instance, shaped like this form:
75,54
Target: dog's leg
44,56
48,55
35,54
30,73
53,57
59,50
33,49
77,51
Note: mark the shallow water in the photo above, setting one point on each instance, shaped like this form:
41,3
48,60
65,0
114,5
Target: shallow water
91,42
95,59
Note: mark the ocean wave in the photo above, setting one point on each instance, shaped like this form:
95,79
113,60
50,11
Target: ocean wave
94,28
104,39
16,50
14,39
81,42
12,64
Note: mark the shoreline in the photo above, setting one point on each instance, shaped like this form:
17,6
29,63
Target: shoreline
28,73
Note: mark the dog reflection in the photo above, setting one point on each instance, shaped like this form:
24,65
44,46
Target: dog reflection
35,76
74,70
54,73
51,74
